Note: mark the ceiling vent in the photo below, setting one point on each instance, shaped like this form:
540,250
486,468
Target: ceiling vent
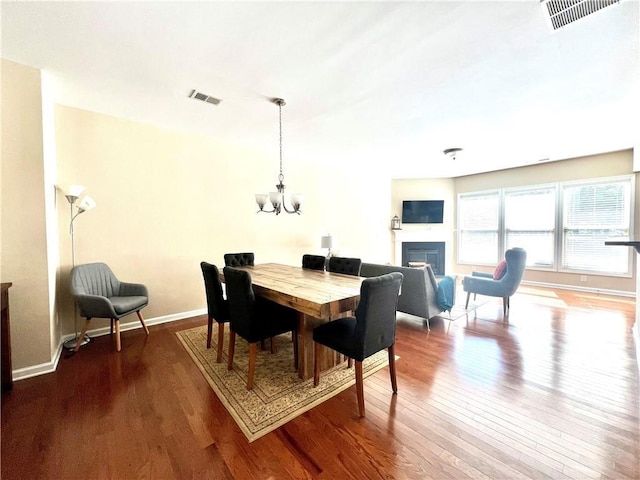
204,97
560,13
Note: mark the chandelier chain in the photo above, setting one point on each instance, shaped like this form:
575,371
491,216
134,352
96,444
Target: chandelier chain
280,125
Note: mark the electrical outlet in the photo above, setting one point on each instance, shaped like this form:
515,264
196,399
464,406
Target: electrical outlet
583,278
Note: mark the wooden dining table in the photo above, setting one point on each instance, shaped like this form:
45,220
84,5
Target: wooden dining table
317,296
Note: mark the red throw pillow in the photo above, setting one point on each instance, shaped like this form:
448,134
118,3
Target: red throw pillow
501,269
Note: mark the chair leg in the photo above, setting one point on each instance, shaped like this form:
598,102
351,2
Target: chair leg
144,325
360,388
118,344
82,334
505,306
466,305
349,362
392,368
111,332
273,345
253,353
232,348
316,364
220,342
210,331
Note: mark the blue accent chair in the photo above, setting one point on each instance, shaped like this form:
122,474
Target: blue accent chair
484,284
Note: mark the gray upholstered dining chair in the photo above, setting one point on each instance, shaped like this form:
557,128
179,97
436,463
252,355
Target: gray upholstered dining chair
372,329
99,294
254,319
238,259
348,266
482,283
313,262
217,305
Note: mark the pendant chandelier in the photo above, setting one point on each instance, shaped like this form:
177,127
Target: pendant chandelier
277,198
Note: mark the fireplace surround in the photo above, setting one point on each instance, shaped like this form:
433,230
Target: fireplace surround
426,235
419,253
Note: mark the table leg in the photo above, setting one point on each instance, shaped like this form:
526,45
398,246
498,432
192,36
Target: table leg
328,358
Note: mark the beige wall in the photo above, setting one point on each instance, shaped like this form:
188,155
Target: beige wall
609,164
427,189
24,260
167,200
594,166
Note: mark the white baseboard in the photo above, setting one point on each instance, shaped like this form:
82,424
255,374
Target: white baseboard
43,368
135,324
574,288
50,367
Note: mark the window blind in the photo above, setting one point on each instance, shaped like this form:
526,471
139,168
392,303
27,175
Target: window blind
530,223
593,213
478,223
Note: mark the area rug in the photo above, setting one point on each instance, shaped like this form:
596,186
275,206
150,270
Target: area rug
278,394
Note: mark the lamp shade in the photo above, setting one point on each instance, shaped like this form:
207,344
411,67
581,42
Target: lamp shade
74,190
296,200
87,203
275,198
327,241
261,199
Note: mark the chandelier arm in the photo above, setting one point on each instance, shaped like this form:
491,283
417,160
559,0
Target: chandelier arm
262,210
284,205
294,210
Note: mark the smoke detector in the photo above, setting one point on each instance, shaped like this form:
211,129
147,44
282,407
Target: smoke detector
560,13
204,97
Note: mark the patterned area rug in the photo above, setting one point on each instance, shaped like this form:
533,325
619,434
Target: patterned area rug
278,395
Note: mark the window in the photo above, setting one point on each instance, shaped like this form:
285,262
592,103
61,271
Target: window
562,226
530,223
593,213
478,219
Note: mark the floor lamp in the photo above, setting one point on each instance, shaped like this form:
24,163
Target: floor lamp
86,203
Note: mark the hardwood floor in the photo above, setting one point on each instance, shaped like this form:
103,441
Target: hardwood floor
552,393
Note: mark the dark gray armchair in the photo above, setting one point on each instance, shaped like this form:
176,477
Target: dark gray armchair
372,329
313,262
346,265
217,305
99,294
483,283
239,259
255,319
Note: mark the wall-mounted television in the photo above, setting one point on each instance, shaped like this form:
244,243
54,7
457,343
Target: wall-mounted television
422,211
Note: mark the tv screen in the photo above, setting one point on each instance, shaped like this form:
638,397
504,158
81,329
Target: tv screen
422,211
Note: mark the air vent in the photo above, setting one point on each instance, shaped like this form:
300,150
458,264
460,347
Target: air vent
204,97
560,13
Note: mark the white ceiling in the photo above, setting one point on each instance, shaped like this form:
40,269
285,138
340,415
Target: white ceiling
386,84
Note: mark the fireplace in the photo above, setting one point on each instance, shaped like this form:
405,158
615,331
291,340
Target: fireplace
421,253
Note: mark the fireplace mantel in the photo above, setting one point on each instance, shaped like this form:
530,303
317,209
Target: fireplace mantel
436,235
